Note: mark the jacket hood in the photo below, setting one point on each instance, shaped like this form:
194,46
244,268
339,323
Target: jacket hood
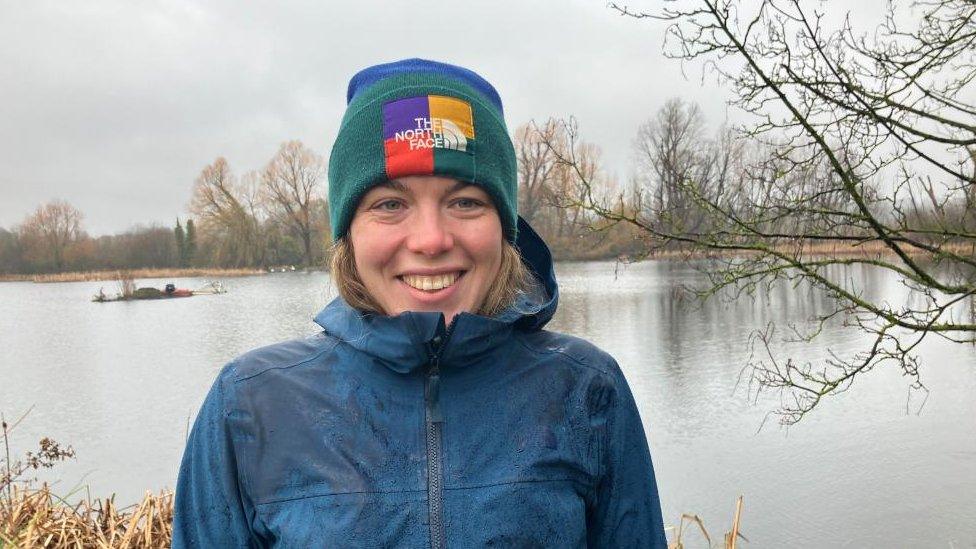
405,342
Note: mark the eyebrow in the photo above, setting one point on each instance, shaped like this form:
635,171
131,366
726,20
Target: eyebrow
399,186
458,186
394,184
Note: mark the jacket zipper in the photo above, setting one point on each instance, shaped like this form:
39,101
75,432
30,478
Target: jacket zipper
435,458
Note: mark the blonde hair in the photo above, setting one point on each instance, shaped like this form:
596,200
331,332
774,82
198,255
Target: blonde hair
513,277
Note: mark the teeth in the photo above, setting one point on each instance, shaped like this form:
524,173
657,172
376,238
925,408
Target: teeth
430,282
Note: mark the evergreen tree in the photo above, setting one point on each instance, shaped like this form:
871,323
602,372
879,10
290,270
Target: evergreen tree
180,236
191,242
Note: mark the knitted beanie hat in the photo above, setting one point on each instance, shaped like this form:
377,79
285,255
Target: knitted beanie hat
419,117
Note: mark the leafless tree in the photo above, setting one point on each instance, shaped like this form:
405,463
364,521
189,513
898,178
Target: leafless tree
536,165
674,152
669,153
290,184
547,188
50,230
850,135
229,211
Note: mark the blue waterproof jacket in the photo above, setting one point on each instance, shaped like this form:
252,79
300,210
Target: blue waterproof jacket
403,432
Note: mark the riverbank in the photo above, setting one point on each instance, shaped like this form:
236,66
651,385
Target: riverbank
868,250
874,249
89,276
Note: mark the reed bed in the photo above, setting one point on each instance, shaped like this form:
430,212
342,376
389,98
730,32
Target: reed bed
88,276
38,518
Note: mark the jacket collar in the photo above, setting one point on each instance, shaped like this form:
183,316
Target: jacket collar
405,342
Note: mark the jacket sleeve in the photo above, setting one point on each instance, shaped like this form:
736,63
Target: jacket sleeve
626,511
208,511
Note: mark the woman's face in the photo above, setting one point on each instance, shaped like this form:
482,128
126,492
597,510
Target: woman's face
426,243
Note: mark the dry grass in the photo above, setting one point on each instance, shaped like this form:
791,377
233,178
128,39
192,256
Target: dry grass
127,284
134,273
731,537
38,518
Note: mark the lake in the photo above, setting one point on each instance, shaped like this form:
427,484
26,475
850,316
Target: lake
120,382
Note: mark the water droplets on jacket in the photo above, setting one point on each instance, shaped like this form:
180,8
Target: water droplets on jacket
327,441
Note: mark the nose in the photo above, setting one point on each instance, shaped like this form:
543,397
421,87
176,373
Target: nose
429,234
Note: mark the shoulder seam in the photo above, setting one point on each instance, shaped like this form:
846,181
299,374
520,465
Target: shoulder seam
520,339
298,362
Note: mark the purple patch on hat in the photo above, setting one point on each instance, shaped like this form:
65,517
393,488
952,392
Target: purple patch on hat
402,115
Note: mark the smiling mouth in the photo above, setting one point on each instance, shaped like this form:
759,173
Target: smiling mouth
433,283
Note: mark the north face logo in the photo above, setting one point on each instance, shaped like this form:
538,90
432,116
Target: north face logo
421,131
433,133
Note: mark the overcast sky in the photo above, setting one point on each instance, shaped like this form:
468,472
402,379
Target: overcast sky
117,106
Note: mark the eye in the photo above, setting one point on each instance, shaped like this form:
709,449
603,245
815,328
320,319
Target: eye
388,205
469,203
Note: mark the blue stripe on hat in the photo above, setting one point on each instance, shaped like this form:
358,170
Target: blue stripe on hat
369,76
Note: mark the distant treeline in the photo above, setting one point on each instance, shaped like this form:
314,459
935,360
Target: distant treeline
274,216
278,215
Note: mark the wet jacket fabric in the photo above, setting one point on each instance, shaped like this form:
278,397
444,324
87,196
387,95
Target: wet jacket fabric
403,432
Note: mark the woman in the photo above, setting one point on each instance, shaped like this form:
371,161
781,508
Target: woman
432,410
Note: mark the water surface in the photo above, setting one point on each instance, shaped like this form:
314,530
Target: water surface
120,382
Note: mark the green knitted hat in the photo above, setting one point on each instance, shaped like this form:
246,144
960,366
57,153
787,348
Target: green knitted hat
418,117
